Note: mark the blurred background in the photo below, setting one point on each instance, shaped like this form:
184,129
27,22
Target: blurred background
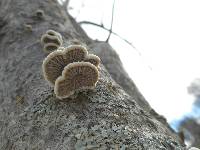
158,43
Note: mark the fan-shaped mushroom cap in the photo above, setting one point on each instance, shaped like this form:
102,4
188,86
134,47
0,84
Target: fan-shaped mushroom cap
53,66
55,62
93,59
54,33
50,47
76,76
76,53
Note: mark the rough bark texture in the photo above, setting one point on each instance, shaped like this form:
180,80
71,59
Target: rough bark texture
193,127
30,115
190,125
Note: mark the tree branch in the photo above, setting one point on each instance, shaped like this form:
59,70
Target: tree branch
110,31
114,33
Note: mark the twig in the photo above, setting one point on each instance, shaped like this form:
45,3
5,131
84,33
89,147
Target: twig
102,26
123,39
110,31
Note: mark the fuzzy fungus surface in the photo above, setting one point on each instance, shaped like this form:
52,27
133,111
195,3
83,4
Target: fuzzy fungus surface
76,53
93,59
55,62
76,76
53,66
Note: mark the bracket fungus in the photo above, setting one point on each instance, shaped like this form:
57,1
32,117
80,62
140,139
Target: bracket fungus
76,53
55,62
70,69
51,39
75,77
54,33
50,47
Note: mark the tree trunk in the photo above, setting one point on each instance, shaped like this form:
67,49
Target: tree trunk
31,117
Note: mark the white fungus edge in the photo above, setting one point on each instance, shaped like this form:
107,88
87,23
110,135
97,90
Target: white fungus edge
74,47
50,44
95,57
50,32
51,37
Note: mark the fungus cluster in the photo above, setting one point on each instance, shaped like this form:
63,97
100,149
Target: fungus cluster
71,69
51,40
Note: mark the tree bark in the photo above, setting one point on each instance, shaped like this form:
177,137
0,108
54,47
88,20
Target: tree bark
31,117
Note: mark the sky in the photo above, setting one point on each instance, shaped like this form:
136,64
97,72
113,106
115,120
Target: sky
166,35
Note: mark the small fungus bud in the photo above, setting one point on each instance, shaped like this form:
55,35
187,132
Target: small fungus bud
93,59
75,77
54,33
46,38
40,13
28,27
55,62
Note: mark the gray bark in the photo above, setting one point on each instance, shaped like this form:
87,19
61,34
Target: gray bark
193,128
31,117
